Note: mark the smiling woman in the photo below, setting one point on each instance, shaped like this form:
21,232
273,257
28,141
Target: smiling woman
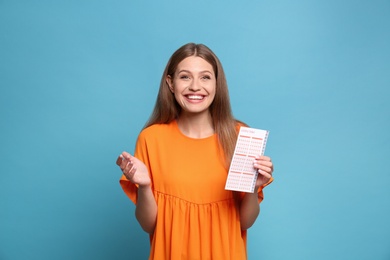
193,85
177,175
77,78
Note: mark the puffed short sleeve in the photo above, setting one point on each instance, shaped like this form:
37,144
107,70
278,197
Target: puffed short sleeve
141,152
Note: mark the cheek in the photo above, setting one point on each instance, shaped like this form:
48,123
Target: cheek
178,98
212,97
212,91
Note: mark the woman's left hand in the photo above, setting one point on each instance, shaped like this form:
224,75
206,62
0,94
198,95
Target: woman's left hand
264,167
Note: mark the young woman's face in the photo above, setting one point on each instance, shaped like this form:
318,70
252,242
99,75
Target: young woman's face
193,84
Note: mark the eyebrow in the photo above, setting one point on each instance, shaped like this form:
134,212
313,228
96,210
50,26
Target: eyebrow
203,71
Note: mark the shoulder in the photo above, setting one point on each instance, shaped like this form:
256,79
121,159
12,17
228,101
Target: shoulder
153,128
239,124
156,136
156,130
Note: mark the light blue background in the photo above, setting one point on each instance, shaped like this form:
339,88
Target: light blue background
79,79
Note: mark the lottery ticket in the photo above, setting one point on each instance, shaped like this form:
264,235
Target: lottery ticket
242,175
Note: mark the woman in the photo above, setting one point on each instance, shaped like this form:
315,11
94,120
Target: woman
177,175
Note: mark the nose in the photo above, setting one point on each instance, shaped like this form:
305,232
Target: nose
195,85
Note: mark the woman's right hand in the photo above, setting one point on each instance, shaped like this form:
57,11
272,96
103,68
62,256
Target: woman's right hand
133,169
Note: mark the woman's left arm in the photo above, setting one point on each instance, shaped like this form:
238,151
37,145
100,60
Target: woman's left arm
250,208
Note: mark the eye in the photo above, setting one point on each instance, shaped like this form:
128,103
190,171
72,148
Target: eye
184,76
206,77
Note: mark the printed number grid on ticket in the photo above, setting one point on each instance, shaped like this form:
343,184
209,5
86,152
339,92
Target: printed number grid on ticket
242,175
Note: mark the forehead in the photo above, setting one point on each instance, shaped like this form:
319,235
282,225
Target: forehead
195,64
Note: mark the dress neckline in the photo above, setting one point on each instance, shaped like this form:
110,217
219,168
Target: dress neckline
176,126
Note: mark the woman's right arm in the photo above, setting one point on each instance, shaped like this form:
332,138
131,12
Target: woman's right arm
146,207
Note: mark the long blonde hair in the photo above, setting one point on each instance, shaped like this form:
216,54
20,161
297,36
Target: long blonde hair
167,109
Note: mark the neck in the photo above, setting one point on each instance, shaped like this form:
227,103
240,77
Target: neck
196,126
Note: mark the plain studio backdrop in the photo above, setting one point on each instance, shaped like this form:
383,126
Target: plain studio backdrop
79,79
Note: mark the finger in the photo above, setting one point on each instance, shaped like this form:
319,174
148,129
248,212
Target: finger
127,156
124,165
264,169
128,166
264,163
119,160
265,174
130,173
263,158
121,157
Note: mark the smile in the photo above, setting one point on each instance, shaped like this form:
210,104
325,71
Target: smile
195,97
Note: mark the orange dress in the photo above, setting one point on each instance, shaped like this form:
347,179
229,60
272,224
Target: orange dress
197,218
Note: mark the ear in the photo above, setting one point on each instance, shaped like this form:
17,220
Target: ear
169,81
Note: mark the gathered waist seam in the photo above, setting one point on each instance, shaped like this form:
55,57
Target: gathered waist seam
191,202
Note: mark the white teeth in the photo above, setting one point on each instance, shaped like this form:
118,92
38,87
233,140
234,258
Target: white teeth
195,97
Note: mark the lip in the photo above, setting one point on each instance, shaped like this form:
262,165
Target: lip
195,97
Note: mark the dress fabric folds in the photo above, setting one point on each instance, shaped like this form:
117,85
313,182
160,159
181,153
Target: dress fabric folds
197,218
